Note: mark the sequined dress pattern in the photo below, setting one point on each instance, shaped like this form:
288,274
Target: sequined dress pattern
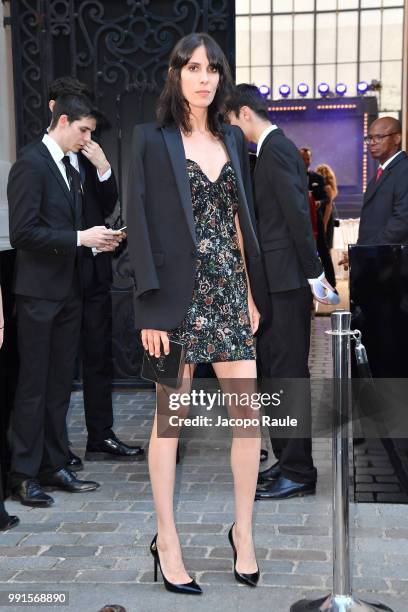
216,326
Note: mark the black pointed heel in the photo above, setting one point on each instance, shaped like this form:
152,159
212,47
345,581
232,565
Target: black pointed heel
249,579
190,588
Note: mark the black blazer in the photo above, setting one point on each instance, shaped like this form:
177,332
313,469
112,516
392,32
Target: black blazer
161,229
43,220
282,209
384,216
99,201
316,186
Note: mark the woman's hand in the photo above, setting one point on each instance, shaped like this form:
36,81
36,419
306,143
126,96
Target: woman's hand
152,340
1,335
254,316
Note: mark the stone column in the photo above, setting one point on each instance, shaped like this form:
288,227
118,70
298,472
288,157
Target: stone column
7,123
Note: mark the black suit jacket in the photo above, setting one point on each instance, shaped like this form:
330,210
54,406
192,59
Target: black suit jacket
161,228
316,186
282,209
99,201
44,219
384,216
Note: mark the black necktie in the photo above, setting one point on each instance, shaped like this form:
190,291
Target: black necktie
73,176
74,181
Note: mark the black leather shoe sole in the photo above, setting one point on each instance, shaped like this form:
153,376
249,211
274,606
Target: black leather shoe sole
98,456
285,494
32,503
68,489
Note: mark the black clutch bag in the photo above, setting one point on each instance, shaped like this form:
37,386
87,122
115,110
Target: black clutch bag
167,369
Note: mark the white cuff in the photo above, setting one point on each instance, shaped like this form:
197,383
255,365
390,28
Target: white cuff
78,239
318,278
105,176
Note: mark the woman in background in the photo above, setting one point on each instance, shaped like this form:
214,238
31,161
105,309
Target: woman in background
330,185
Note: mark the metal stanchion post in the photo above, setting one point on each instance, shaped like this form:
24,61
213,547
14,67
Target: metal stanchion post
341,600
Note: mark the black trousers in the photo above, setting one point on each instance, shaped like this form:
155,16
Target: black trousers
3,512
8,360
96,338
324,252
48,336
283,352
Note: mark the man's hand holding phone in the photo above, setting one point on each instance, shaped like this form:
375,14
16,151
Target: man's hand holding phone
101,238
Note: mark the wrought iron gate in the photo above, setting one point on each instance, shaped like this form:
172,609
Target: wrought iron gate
120,48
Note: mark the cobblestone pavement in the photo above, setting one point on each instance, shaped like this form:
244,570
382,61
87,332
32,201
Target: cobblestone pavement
95,545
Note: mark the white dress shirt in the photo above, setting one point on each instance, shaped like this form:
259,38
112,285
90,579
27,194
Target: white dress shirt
264,134
57,155
386,163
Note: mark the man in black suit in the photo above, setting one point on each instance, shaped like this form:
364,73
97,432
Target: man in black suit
6,521
289,254
317,188
384,216
45,208
100,195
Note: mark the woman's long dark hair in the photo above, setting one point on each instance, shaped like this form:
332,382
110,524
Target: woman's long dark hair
172,106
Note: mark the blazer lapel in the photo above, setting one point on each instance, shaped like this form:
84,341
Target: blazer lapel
231,146
269,136
243,210
174,143
373,185
57,174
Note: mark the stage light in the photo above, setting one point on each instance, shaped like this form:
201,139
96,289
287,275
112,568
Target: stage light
341,89
284,91
303,89
362,87
323,89
264,90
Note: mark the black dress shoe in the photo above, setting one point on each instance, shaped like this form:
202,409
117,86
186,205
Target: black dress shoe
74,462
284,488
29,493
113,449
270,474
8,522
67,481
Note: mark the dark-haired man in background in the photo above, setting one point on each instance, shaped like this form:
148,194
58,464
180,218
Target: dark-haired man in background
45,209
99,200
289,254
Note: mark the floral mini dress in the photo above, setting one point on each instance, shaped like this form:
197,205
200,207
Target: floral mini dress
216,326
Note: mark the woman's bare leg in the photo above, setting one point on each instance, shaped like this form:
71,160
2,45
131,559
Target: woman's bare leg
245,453
162,468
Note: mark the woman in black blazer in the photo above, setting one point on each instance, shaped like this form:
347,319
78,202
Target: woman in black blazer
196,265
